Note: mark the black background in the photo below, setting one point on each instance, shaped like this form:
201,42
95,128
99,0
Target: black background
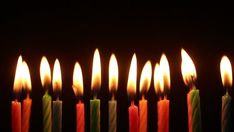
70,31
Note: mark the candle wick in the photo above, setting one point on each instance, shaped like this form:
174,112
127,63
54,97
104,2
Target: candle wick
79,101
143,97
94,96
16,100
28,95
165,96
132,102
113,97
57,98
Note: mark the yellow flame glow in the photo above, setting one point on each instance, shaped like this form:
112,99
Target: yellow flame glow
146,76
132,76
226,71
188,68
158,79
96,71
113,73
26,77
57,78
77,80
165,72
17,87
45,72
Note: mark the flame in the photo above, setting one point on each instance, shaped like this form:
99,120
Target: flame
188,68
57,78
146,76
165,72
77,80
45,72
132,76
96,71
113,73
18,76
26,77
226,71
158,79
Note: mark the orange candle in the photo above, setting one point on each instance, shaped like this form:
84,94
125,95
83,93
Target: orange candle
26,113
162,85
145,81
78,90
15,105
131,89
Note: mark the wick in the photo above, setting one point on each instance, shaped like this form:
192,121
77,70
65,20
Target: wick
16,100
143,97
79,101
57,98
165,97
113,97
28,96
160,98
95,97
132,102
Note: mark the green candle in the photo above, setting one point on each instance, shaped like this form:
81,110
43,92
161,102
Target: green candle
196,110
95,115
226,113
112,105
46,104
57,116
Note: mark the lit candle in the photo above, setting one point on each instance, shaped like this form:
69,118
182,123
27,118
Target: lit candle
15,105
193,99
113,85
226,75
145,81
95,86
162,86
45,75
78,90
57,104
131,89
26,113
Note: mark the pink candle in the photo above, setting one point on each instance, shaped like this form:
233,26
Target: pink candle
16,116
26,114
133,118
80,120
190,125
163,115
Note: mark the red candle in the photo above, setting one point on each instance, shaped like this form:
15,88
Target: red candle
145,81
15,105
26,102
78,90
162,85
131,89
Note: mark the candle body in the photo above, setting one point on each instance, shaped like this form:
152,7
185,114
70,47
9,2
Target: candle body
189,113
133,118
112,104
26,113
163,115
46,111
95,115
143,109
196,110
16,116
80,120
57,116
226,113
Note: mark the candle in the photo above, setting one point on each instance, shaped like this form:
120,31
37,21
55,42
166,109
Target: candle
78,90
113,85
95,86
45,75
131,89
162,86
226,76
26,113
193,99
145,81
57,104
15,105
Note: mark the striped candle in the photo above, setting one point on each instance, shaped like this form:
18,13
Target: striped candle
46,111
112,104
26,114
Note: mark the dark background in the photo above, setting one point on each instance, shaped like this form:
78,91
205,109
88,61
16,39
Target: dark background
70,31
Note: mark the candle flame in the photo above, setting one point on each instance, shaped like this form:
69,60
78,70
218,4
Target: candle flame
132,77
45,72
146,76
165,72
57,78
226,71
113,73
77,80
17,87
96,71
158,79
188,68
26,77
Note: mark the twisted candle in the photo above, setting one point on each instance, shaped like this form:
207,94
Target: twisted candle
112,115
226,113
95,115
80,119
46,110
143,115
26,114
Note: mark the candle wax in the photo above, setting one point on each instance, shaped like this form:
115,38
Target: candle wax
143,109
226,113
112,104
16,116
163,115
57,116
46,111
26,113
80,117
95,115
133,118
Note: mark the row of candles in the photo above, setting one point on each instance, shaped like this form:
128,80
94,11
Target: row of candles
52,113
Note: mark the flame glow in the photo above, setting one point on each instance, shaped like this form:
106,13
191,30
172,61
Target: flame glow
17,87
77,80
158,79
96,71
57,78
165,72
132,76
113,73
26,77
45,72
146,76
226,71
